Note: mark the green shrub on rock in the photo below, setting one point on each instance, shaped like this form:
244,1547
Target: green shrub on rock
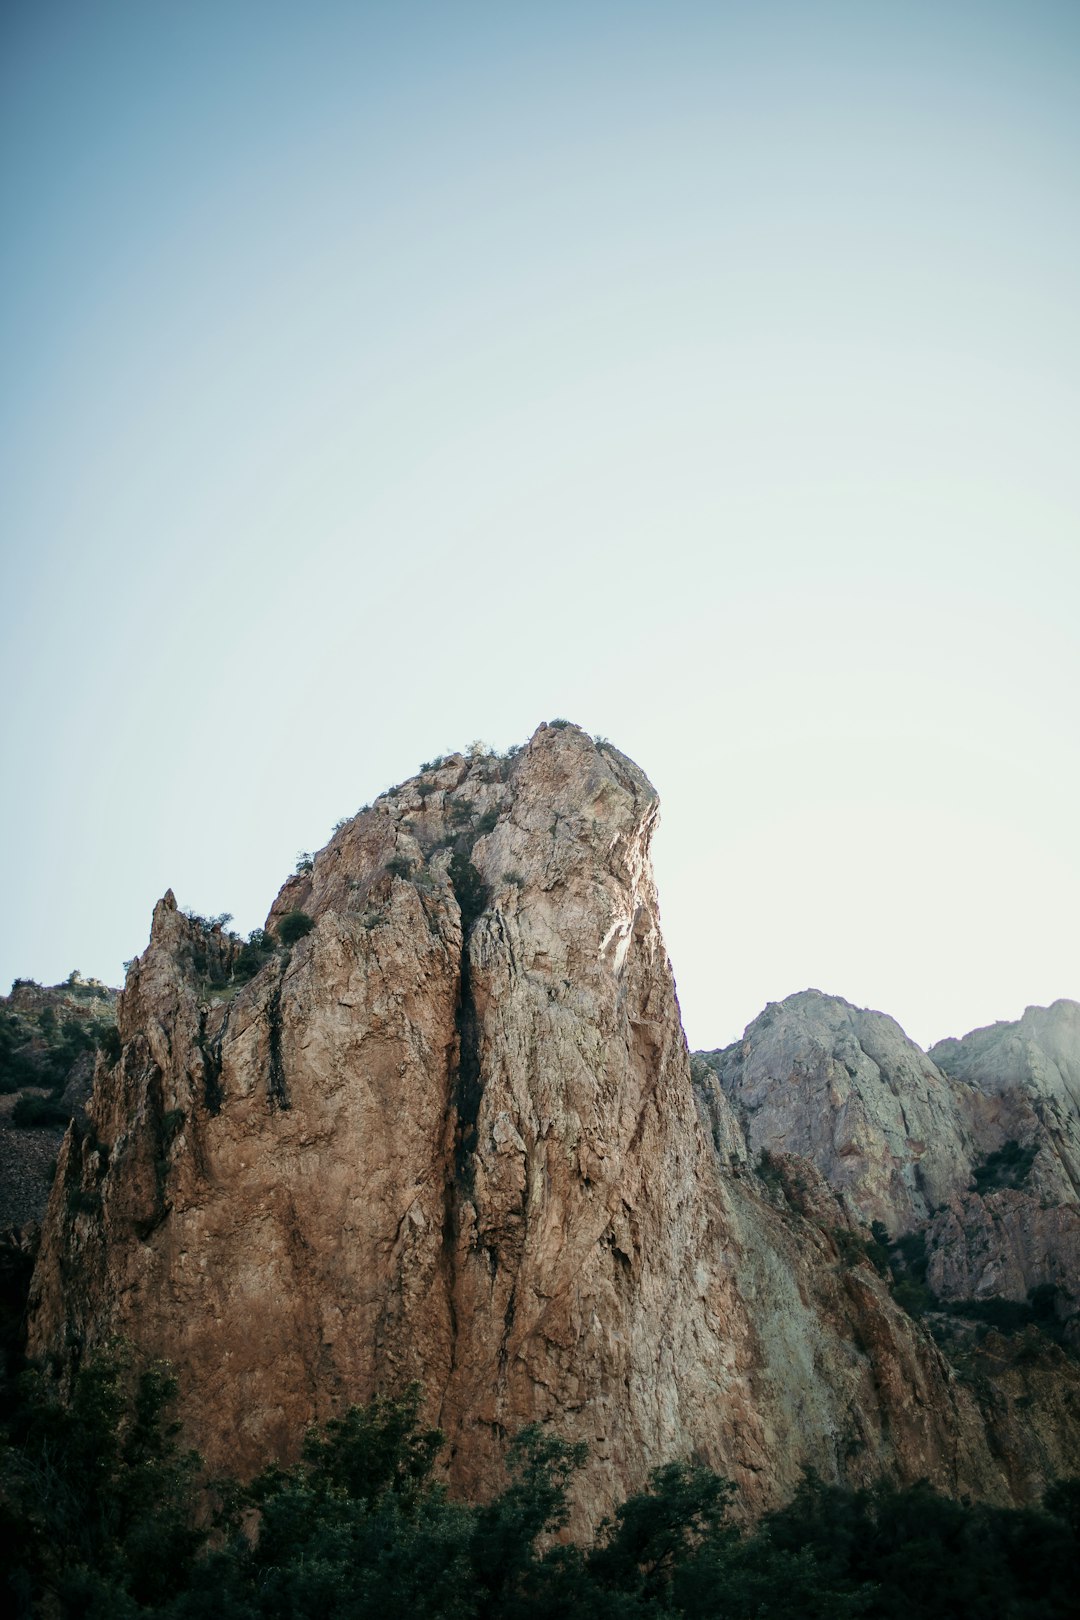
293,926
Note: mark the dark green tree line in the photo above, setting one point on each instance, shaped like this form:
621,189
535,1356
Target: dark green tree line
103,1515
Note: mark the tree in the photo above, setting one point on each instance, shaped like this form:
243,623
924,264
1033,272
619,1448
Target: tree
98,1499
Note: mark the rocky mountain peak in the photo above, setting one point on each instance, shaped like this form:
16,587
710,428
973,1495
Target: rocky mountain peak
438,1122
846,1088
1038,1054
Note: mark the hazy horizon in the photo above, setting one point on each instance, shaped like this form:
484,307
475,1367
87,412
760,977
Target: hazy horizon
380,378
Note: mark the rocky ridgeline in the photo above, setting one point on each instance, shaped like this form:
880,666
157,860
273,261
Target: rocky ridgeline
443,1126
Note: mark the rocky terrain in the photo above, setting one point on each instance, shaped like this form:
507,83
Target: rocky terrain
49,1035
971,1151
440,1122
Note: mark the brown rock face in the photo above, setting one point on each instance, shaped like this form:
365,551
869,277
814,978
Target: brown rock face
450,1134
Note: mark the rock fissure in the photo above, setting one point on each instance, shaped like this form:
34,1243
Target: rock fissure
277,1090
213,1095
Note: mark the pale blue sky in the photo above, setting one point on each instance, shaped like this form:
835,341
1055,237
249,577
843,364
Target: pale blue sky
381,377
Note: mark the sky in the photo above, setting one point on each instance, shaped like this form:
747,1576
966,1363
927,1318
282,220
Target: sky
381,377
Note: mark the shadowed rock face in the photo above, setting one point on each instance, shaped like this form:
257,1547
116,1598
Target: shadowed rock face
450,1134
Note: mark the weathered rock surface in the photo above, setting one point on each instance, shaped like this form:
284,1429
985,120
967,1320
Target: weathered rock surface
1028,1072
977,1143
450,1134
969,1158
1021,1229
47,1038
846,1088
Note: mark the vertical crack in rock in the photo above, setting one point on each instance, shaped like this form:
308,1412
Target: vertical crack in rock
163,1125
213,1095
277,1091
469,1086
471,894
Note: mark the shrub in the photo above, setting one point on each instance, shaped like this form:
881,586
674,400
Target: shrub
908,1256
768,1170
253,954
399,866
305,863
103,1516
293,926
30,1112
470,890
89,989
1010,1315
855,1247
1008,1167
209,925
109,1043
100,1509
913,1297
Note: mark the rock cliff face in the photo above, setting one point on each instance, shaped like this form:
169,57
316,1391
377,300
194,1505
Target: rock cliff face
848,1090
450,1133
962,1164
48,1036
975,1146
1020,1229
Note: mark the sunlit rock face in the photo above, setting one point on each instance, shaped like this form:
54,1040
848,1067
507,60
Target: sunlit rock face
450,1133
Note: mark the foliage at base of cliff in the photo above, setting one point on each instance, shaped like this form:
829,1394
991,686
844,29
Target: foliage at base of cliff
104,1517
44,1032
